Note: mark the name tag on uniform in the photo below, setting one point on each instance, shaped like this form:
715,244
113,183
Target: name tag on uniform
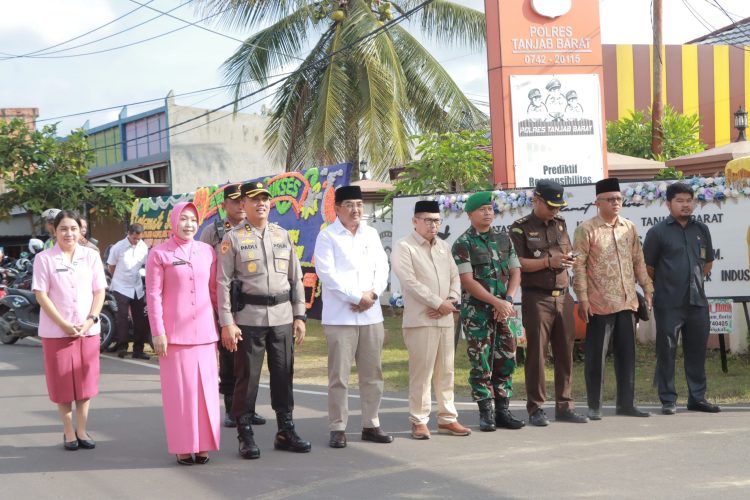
179,263
61,270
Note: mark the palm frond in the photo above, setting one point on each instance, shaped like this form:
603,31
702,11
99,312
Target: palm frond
248,14
449,23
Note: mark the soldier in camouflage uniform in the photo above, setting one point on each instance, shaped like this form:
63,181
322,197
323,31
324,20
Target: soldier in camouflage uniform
490,275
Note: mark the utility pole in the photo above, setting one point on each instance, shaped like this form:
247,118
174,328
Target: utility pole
657,107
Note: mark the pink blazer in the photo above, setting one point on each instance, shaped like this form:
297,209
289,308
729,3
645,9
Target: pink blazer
181,292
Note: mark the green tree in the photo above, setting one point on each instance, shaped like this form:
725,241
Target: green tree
40,171
632,135
365,100
449,162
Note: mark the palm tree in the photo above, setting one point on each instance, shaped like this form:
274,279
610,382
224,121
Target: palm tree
351,95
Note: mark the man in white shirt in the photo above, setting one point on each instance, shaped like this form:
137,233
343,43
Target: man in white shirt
126,258
353,267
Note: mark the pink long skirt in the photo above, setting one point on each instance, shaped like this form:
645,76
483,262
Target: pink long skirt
190,394
71,367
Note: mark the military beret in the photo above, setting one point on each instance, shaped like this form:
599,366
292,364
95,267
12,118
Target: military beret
252,189
431,207
551,192
233,191
477,200
348,193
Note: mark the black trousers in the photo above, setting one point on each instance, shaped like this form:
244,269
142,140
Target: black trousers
694,323
278,342
137,309
620,327
226,371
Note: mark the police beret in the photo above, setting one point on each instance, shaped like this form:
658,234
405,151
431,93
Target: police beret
608,185
348,193
554,84
431,207
252,189
551,192
233,191
477,200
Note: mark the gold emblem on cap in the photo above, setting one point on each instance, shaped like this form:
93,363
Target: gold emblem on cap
259,185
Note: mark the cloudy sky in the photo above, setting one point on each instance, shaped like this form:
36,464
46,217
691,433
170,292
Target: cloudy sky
190,59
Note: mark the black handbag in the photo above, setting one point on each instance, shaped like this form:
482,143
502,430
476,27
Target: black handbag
643,312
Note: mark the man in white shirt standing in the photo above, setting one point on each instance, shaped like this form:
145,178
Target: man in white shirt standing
126,258
353,267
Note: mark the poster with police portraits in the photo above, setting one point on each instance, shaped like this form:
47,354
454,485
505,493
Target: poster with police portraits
557,128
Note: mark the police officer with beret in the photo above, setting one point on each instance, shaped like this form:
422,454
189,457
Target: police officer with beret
489,273
268,315
213,234
545,251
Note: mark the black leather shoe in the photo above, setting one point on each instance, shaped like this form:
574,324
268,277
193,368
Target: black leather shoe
288,440
539,418
87,444
257,419
570,416
668,409
185,461
632,412
141,355
376,435
338,439
70,445
703,406
122,353
201,460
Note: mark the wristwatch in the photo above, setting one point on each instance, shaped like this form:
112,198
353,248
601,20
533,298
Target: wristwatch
93,317
509,298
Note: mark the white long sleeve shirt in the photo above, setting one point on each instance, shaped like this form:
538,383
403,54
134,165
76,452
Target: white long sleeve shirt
349,264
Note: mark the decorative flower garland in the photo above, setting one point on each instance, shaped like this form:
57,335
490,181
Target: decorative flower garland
706,189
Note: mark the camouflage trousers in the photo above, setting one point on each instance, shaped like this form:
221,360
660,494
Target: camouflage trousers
492,354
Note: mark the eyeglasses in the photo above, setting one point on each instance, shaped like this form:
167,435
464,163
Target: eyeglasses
430,221
612,200
353,206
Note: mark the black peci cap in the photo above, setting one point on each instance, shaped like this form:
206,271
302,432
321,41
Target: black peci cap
608,185
431,207
348,193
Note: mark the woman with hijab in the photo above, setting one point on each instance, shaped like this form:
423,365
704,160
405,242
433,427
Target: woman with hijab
181,295
69,285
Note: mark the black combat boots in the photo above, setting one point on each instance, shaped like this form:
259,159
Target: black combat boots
503,416
248,448
486,422
287,438
229,420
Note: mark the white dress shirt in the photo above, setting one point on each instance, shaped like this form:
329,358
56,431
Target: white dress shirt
128,260
348,265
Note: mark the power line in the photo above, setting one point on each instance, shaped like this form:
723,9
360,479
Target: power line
217,32
11,56
313,64
46,54
734,24
710,28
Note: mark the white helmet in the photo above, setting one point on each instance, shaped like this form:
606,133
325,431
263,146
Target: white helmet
50,214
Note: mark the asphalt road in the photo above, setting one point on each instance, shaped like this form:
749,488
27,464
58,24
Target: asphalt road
689,455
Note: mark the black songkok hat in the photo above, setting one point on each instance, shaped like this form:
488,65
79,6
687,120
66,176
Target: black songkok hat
233,191
348,193
609,185
431,207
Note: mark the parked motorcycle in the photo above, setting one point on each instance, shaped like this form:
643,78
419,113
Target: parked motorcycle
19,309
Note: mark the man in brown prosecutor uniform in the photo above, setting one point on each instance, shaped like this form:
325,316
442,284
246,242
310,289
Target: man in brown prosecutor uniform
543,246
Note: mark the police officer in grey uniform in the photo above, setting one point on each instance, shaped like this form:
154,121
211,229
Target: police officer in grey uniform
213,234
263,311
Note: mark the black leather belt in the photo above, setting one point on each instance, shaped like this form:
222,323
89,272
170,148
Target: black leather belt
554,293
266,300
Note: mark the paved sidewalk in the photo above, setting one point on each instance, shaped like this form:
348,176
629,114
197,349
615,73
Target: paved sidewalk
689,455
